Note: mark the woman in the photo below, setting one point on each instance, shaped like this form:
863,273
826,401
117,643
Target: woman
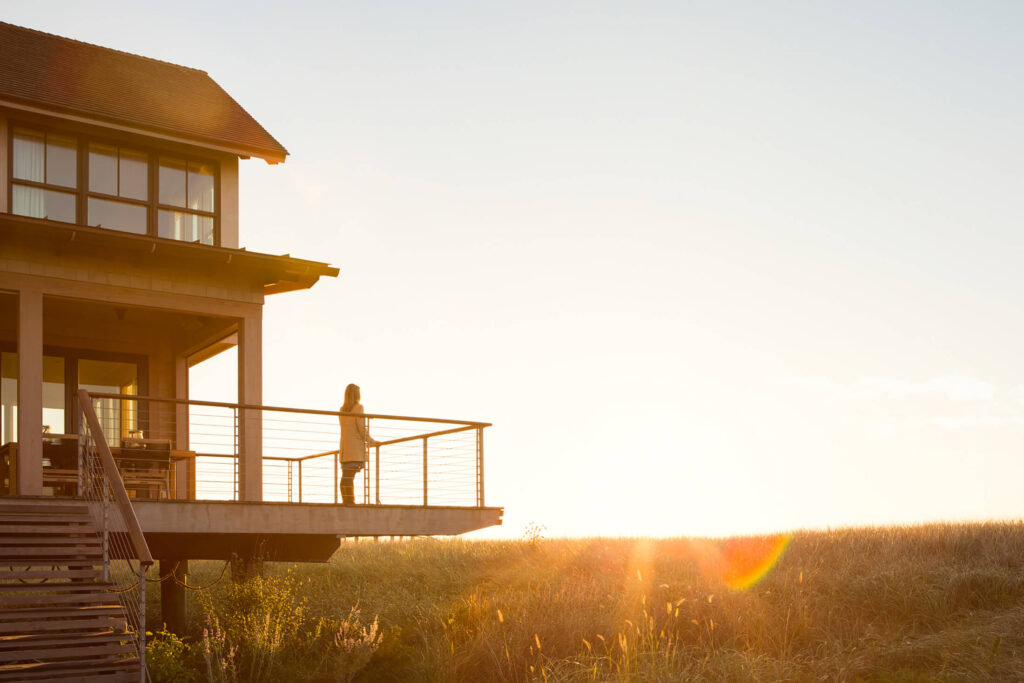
354,437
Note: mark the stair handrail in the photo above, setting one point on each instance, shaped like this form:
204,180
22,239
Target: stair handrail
124,504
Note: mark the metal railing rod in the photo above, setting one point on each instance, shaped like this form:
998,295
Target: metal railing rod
124,503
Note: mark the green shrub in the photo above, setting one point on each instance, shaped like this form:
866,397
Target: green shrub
168,659
261,630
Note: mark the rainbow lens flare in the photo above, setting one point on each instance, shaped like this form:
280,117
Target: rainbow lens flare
744,561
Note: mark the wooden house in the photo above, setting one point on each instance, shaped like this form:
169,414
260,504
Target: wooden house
121,267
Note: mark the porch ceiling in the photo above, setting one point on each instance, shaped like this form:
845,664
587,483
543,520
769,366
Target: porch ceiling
79,323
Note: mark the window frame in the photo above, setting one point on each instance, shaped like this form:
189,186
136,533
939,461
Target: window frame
71,357
45,131
82,193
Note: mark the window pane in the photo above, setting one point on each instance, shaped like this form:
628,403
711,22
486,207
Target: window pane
186,227
8,397
39,203
200,186
103,169
29,201
134,175
117,417
53,394
29,155
61,161
172,182
117,216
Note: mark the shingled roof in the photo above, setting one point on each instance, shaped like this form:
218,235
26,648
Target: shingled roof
71,77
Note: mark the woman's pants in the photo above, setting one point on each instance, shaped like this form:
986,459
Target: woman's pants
349,470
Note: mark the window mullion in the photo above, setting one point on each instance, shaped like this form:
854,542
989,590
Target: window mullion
154,170
83,180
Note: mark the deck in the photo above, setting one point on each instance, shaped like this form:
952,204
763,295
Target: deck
290,532
210,480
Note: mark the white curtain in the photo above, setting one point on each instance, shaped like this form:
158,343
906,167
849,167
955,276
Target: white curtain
29,201
29,164
29,156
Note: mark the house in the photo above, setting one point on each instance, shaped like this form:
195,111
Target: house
121,267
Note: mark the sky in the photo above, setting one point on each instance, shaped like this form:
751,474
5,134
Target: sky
708,267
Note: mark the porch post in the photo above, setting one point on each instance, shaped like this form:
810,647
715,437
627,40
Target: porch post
250,391
186,472
174,574
30,393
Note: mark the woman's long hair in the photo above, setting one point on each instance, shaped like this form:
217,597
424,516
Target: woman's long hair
351,398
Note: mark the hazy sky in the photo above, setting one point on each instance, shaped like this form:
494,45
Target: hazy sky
709,267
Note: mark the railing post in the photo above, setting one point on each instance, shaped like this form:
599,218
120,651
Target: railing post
234,448
337,483
376,485
366,475
480,467
106,533
289,481
142,622
300,481
81,456
424,472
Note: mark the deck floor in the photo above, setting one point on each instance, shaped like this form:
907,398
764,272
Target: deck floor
295,532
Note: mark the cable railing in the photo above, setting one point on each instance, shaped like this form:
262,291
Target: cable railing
197,450
126,555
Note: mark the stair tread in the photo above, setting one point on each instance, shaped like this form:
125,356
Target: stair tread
37,639
118,622
80,652
82,517
14,505
66,668
84,526
13,552
50,573
83,587
22,613
47,564
61,539
98,597
114,676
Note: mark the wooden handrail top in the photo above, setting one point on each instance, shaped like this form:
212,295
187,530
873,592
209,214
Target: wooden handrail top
281,409
427,436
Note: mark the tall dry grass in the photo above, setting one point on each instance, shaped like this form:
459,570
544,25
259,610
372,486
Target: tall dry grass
937,602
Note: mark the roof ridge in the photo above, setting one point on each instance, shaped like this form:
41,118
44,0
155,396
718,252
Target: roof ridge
102,47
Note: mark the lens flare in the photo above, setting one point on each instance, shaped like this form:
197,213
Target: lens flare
744,561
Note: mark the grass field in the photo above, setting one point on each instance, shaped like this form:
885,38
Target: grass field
937,602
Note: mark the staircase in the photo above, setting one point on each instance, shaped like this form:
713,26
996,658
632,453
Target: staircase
58,620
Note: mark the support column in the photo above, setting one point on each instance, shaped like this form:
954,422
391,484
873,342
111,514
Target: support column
250,391
30,393
185,471
172,595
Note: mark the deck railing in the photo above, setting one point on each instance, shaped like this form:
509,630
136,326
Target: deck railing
415,461
101,485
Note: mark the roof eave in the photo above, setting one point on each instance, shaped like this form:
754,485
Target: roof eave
278,273
271,156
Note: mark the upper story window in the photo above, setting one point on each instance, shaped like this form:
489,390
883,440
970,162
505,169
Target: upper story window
44,167
77,180
186,200
118,189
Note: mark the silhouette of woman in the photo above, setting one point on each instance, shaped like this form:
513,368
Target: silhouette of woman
354,438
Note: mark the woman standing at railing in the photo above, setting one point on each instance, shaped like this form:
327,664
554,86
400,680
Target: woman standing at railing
354,437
